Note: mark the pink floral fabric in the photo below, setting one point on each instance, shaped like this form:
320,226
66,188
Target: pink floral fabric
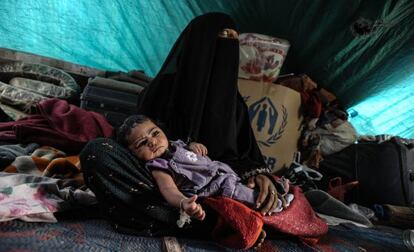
27,197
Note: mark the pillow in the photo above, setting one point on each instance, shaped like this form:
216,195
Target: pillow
42,73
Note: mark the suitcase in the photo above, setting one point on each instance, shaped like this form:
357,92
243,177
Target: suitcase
385,172
135,76
116,100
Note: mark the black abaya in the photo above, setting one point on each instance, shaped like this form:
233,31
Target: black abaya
195,94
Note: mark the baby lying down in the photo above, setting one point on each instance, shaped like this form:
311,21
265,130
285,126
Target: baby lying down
184,172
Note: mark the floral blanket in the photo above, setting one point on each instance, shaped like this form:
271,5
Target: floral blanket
35,186
27,197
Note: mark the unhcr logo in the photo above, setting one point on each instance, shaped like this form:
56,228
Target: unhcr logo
264,119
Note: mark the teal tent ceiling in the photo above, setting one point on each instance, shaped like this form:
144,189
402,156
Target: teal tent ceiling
363,51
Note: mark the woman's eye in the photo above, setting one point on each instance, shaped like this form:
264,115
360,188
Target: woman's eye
155,133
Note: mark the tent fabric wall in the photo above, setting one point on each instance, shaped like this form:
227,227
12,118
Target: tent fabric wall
355,64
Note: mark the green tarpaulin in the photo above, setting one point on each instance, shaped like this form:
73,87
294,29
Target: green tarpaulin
363,51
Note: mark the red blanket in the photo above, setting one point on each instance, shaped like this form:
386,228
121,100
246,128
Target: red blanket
239,227
57,124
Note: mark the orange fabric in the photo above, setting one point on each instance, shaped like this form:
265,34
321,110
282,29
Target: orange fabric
50,162
237,226
62,167
40,163
10,169
298,219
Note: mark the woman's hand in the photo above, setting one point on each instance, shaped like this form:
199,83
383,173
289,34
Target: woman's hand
198,148
267,199
193,209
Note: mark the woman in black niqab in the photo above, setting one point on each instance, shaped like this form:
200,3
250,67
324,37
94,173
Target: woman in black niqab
195,95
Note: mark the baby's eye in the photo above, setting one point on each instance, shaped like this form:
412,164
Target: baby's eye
155,133
142,143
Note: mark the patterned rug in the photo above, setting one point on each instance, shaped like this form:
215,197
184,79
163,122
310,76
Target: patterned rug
97,235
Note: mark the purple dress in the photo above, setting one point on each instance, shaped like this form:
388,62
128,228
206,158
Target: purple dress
196,174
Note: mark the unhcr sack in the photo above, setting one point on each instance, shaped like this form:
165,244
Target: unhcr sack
261,56
274,112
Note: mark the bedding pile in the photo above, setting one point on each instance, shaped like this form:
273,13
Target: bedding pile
43,129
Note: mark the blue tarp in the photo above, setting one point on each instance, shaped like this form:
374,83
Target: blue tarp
363,51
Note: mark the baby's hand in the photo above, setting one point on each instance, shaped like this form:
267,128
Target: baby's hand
192,208
198,148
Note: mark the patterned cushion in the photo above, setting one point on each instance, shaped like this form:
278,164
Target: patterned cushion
41,73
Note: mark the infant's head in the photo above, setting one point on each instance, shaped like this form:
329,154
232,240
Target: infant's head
143,137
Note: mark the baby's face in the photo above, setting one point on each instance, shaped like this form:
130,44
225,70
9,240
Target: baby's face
147,141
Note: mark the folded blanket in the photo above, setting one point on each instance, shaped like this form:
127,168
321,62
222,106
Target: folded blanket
58,124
